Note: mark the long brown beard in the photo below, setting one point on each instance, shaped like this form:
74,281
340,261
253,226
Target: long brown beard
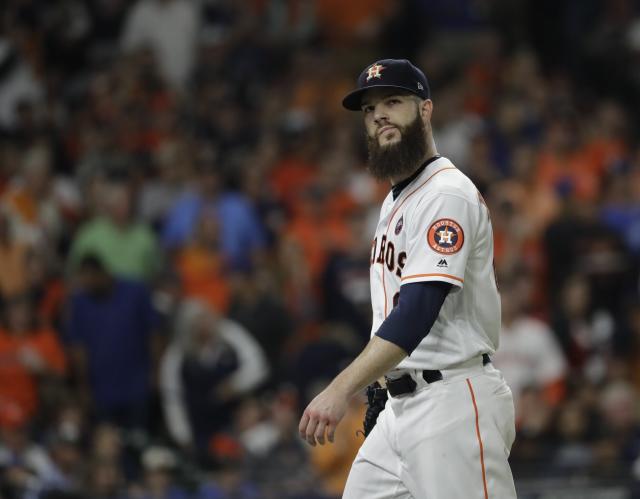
402,158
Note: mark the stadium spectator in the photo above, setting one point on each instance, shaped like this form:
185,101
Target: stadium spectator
174,164
159,464
170,29
529,355
105,481
201,265
64,439
241,233
20,81
23,463
257,305
67,472
110,334
31,355
34,201
585,333
211,362
45,286
575,429
281,468
127,248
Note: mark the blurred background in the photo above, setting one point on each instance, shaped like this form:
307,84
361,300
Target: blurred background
186,217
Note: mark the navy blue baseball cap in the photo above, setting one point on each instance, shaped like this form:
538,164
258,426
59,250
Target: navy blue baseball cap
389,73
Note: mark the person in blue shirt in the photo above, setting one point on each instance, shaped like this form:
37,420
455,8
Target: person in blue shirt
241,231
110,332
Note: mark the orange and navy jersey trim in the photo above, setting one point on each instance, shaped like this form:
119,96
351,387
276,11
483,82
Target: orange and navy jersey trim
415,276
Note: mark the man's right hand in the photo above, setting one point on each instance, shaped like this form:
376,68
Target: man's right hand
322,415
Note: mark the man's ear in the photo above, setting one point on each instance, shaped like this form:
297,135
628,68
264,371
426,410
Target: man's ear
426,109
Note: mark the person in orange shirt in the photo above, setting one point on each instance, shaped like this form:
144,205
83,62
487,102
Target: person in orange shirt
357,20
571,161
201,264
27,352
313,231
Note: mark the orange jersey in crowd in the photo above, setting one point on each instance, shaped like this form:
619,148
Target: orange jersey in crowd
202,275
18,383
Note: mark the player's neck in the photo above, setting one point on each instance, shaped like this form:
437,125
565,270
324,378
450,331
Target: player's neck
431,152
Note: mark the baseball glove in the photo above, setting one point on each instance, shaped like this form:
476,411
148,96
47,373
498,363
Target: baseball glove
376,400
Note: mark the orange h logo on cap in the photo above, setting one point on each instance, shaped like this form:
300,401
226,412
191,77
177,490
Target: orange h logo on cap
374,71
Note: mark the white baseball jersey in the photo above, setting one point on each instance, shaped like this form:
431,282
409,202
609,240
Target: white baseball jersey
439,229
448,439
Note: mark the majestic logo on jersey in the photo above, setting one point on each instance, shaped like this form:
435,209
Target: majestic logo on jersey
399,225
375,71
445,236
442,263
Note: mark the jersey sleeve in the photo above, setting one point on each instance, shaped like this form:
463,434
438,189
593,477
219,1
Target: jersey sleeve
439,240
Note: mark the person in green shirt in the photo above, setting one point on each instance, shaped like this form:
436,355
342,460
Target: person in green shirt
128,248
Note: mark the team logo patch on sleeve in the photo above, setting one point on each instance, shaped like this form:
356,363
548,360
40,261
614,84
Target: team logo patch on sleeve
445,236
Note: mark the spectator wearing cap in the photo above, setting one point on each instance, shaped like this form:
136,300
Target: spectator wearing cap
111,337
159,464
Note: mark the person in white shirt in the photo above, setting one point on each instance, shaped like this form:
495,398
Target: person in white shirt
211,362
170,29
530,355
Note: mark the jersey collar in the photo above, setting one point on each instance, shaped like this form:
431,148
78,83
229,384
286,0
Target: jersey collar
399,187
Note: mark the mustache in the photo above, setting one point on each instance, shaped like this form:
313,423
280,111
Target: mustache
382,128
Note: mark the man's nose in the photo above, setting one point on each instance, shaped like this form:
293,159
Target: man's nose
380,116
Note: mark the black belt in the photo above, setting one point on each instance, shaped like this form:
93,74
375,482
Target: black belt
406,384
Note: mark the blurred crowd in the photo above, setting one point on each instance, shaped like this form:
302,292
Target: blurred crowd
186,218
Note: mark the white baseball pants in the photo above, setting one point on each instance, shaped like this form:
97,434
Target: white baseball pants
447,440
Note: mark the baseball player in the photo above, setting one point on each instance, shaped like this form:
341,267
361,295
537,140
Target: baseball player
448,425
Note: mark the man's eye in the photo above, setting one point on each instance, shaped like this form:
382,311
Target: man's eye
367,109
392,102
